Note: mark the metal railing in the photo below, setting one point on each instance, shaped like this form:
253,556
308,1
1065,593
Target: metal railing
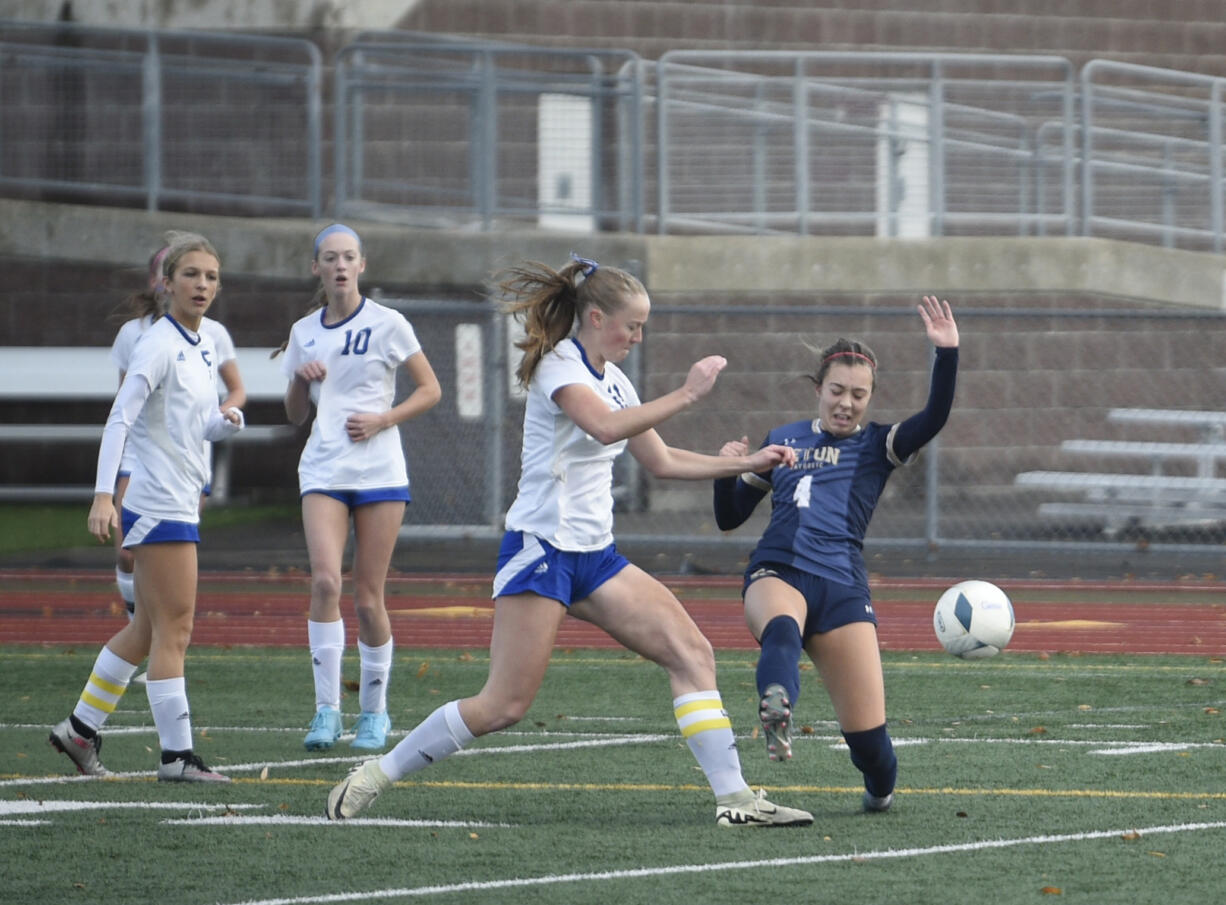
184,120
440,130
878,143
487,132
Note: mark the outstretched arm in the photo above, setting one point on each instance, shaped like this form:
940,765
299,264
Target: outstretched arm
591,413
921,427
665,461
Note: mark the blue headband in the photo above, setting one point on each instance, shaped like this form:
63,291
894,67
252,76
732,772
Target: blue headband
333,230
588,266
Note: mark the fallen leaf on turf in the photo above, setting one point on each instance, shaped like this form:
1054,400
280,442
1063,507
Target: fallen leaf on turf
806,730
1198,681
1052,891
1039,730
351,685
423,669
1132,836
464,657
961,814
1084,707
264,773
1212,710
1157,854
754,733
473,836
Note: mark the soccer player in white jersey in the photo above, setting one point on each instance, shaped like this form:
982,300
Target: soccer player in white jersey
806,588
141,309
342,359
558,555
164,411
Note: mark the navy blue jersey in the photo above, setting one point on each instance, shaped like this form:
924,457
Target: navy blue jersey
821,506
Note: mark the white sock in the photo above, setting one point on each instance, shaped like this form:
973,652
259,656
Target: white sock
327,642
107,682
438,736
707,730
171,716
376,670
127,589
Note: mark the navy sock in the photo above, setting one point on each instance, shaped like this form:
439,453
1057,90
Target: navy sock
779,663
873,754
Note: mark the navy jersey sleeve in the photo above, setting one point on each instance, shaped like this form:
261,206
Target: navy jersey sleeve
736,498
921,427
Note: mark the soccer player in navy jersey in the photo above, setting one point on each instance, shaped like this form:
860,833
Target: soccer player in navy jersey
806,587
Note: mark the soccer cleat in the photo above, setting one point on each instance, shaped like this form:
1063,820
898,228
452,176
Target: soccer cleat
775,712
370,731
874,805
188,768
757,811
325,729
364,784
81,751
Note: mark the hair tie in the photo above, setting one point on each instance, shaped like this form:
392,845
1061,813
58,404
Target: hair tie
333,230
847,353
588,266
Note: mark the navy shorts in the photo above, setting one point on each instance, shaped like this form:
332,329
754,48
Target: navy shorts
828,604
142,529
355,498
527,564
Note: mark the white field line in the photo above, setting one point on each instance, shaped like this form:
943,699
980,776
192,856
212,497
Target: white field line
287,820
674,870
1099,746
28,806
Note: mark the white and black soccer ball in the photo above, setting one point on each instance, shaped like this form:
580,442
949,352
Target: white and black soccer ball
973,619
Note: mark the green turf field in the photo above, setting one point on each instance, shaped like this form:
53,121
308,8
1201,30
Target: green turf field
1092,779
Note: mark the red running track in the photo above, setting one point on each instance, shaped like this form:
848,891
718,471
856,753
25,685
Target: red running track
455,612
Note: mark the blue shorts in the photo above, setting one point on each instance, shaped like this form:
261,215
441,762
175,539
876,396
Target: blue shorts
828,604
529,565
355,498
143,529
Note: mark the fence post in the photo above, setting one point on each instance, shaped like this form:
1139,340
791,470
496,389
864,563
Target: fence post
151,121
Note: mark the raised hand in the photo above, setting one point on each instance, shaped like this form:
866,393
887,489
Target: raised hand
939,322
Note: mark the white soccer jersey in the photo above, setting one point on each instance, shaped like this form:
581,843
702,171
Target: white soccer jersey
125,343
167,438
566,476
361,354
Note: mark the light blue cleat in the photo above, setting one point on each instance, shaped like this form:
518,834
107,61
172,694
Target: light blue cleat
325,729
370,731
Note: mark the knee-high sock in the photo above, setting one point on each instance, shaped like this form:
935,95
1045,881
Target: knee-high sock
171,715
873,754
779,663
107,682
438,736
707,730
376,670
327,642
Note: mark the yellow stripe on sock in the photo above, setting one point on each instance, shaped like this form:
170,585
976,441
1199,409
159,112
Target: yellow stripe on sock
110,687
703,725
95,701
691,706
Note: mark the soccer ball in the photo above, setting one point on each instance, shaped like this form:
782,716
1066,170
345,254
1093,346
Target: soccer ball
973,619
